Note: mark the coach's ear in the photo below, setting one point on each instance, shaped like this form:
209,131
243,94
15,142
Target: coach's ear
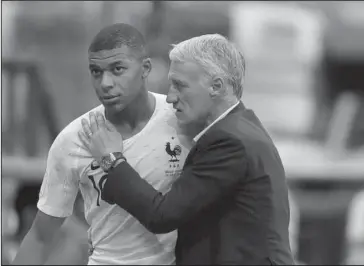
147,67
217,87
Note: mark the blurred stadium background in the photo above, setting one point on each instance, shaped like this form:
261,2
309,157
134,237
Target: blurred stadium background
304,79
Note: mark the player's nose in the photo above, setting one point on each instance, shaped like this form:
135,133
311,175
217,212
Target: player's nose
106,81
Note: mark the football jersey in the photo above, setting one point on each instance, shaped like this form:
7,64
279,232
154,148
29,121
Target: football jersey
157,153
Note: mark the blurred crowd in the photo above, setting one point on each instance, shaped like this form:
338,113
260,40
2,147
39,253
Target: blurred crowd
304,79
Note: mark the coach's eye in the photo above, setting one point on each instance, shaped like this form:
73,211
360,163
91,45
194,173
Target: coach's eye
178,86
96,72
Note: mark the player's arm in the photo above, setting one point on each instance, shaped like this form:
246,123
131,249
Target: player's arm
56,200
34,246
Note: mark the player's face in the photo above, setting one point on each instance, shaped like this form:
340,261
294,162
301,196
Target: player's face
189,92
118,76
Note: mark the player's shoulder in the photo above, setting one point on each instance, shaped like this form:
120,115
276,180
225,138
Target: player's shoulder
159,95
167,120
69,134
163,109
161,102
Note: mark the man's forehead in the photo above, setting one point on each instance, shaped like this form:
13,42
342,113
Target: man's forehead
118,53
184,70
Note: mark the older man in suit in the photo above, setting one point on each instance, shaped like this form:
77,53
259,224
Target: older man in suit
230,204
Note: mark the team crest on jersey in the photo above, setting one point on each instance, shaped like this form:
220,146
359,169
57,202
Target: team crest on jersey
174,151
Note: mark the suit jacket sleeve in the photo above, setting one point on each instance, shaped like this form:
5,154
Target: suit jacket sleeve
213,170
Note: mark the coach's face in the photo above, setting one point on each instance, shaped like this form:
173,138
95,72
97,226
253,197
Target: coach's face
118,76
189,92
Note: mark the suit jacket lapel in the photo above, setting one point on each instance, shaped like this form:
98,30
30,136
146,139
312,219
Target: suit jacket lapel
239,107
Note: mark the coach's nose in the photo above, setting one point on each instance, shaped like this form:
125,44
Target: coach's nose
172,95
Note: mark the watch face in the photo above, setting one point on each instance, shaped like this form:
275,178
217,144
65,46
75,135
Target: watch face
106,162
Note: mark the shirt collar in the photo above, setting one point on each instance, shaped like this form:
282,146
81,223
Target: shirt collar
197,137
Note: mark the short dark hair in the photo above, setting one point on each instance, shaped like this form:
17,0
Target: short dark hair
117,35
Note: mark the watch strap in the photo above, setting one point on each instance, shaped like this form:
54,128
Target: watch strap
117,156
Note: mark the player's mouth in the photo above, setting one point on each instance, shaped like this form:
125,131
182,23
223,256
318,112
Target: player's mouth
110,99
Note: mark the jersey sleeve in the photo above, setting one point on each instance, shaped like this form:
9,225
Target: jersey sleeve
60,184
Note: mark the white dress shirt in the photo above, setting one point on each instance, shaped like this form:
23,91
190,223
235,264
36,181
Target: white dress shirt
195,139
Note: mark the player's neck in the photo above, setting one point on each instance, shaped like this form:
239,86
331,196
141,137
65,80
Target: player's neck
136,115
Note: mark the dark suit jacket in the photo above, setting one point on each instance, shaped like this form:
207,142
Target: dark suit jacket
230,204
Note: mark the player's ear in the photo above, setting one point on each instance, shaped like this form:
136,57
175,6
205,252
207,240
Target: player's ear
147,67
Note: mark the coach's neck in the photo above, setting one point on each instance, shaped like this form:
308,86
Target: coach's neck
219,107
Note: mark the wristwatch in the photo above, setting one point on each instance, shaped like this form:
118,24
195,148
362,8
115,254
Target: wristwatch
108,161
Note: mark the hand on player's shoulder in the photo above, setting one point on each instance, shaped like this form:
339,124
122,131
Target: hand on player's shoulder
100,136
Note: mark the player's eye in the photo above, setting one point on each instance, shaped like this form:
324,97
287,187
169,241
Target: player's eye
118,69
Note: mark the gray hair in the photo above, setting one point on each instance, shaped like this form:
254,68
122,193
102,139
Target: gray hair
216,55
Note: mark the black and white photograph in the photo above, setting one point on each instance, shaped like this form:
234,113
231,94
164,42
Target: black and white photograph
182,132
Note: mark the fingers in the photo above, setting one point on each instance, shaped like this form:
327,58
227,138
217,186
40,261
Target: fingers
110,126
103,123
83,138
100,120
96,121
86,128
93,122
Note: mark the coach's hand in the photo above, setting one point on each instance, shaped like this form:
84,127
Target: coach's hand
100,136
